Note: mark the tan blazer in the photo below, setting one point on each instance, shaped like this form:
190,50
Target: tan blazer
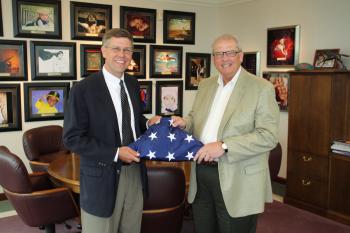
249,127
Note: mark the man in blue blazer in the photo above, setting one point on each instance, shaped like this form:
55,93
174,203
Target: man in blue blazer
97,126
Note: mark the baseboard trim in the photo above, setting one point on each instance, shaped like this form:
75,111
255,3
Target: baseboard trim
3,196
280,180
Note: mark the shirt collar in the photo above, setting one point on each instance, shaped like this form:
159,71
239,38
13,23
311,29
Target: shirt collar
110,78
232,81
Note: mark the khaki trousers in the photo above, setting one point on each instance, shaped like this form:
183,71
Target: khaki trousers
127,214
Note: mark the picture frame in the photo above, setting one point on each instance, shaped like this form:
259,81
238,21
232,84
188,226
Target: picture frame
169,98
326,58
179,27
53,60
91,59
1,27
37,18
251,62
165,61
146,96
45,101
283,46
13,60
137,67
90,21
140,22
10,107
197,69
280,81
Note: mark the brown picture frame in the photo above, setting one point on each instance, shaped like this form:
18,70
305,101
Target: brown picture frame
326,59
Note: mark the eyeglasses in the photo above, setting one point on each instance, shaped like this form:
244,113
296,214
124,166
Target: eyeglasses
230,53
127,51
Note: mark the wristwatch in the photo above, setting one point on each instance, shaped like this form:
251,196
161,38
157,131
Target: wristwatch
224,146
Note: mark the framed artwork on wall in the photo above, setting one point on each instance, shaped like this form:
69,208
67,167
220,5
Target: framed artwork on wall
283,46
146,96
165,61
45,101
197,69
326,58
140,22
90,21
251,62
37,18
169,98
1,27
137,66
53,60
10,107
91,59
179,27
13,60
280,81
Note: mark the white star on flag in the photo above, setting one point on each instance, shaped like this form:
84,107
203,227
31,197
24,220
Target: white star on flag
189,155
171,136
151,155
189,138
153,136
171,122
170,156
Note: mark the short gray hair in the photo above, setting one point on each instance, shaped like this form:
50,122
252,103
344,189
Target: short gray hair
226,37
117,33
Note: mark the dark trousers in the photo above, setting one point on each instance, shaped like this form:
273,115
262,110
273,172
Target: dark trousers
209,211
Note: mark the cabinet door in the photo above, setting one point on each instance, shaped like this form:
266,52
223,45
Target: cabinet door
309,113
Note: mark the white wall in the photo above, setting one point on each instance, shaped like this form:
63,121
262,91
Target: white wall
323,24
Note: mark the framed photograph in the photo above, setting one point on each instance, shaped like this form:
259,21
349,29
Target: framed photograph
53,60
140,22
169,98
280,81
326,58
283,46
137,66
179,27
91,59
45,101
10,107
13,60
1,27
146,96
251,62
90,21
165,61
197,69
37,18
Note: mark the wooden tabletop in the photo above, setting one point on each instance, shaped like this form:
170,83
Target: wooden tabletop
65,171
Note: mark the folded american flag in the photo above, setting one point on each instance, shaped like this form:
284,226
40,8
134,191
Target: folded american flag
163,142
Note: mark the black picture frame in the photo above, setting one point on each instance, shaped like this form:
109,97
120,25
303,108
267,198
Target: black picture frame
280,81
39,110
146,91
90,21
169,98
1,27
53,60
140,22
197,69
37,18
165,61
283,46
137,67
179,27
91,59
251,62
13,60
10,107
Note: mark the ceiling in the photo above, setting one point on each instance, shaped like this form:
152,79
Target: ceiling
213,3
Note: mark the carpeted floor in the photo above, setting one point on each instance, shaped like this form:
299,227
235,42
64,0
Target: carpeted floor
278,218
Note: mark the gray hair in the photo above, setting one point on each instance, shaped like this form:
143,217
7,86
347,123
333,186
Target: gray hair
227,37
117,33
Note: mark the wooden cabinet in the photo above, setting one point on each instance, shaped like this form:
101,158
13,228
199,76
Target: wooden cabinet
319,112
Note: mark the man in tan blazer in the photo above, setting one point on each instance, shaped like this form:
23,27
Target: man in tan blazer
236,116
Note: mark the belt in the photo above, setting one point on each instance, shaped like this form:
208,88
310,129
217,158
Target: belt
126,164
209,164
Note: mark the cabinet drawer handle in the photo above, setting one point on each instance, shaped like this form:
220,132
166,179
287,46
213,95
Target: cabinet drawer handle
307,158
306,182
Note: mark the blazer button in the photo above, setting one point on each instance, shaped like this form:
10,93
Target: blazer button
118,171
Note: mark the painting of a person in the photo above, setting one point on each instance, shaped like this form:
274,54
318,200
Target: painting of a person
280,50
47,103
169,100
42,21
3,108
91,25
138,26
53,61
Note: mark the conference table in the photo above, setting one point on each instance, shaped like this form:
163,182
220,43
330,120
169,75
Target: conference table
65,170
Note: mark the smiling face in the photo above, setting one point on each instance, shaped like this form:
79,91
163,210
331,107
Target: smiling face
116,59
227,65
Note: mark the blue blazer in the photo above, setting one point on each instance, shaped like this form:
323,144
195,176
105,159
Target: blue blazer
91,130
